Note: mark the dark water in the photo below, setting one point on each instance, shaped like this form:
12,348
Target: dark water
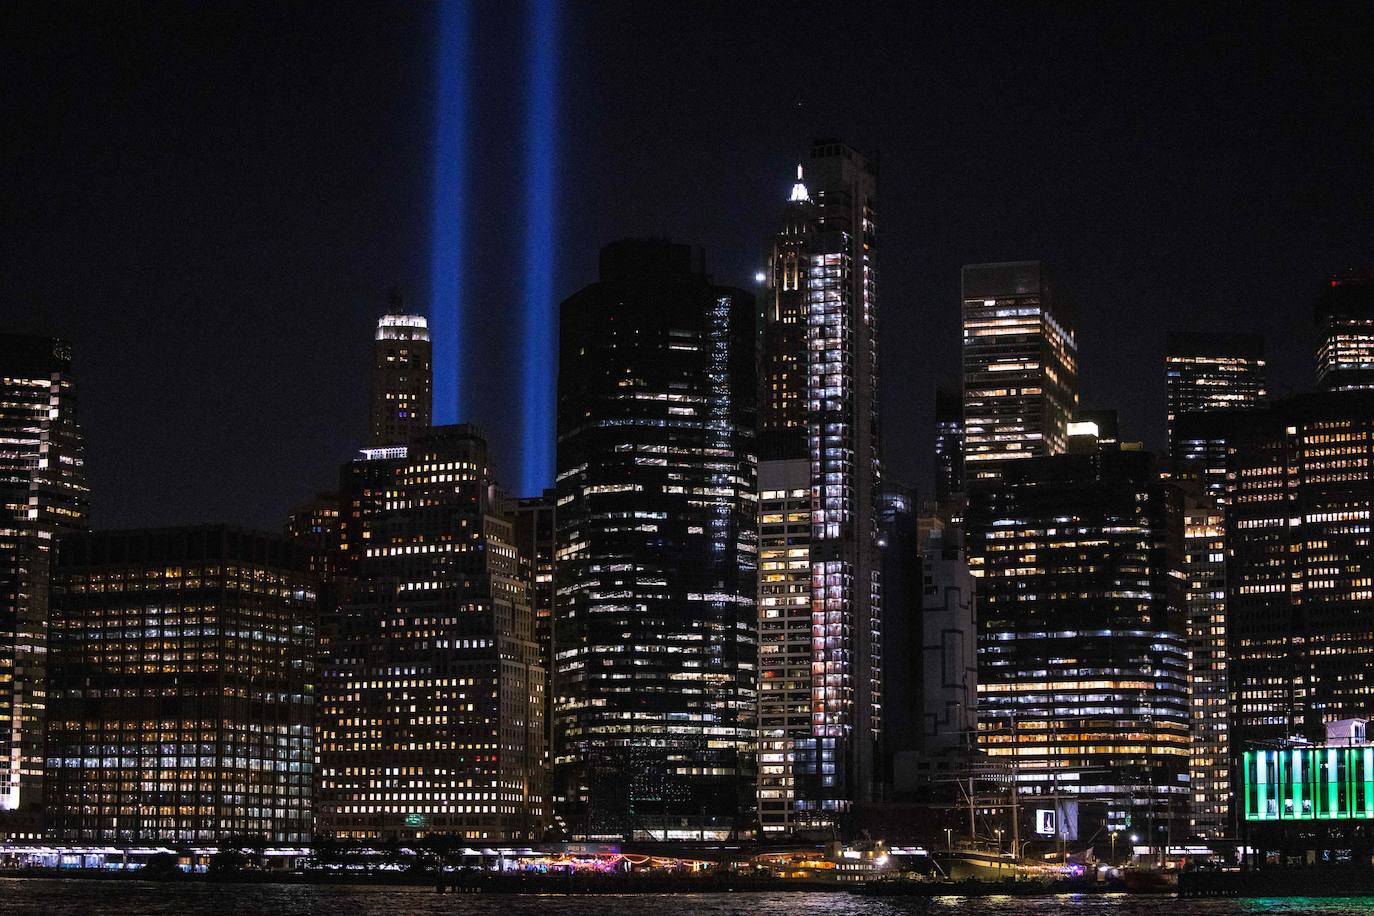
124,898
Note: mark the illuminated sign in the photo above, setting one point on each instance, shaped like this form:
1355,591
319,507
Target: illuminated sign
1309,784
415,820
1044,821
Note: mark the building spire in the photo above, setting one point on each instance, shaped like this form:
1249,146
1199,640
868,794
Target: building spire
799,191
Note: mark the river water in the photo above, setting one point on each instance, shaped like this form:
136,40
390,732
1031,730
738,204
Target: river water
43,897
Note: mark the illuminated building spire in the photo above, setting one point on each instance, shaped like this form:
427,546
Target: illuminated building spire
799,191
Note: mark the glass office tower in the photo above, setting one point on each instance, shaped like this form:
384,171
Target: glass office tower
655,649
43,495
1020,366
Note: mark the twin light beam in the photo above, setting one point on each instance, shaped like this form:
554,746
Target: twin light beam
538,325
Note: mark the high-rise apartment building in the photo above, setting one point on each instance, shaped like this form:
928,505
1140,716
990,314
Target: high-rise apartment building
785,682
1206,373
655,628
402,379
43,495
1082,656
821,317
182,688
1020,366
1300,569
1204,573
1345,331
432,718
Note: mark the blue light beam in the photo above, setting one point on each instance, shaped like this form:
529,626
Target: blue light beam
447,233
540,321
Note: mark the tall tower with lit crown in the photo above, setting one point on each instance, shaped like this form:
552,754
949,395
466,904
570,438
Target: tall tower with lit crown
402,378
820,364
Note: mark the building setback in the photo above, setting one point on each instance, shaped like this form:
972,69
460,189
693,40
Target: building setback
432,706
1082,659
654,631
182,688
1020,366
43,495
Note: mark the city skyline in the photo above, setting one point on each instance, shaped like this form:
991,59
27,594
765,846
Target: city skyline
1158,228
947,477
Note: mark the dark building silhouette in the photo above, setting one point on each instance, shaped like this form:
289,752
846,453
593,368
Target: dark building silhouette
43,495
181,688
433,698
1345,332
1082,660
536,546
402,379
1020,365
949,452
902,636
933,665
654,633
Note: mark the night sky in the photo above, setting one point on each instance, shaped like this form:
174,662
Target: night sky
211,202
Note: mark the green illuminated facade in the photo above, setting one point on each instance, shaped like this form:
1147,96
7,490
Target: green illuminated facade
1309,784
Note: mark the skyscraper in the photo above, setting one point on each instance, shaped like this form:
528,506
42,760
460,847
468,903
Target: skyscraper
1345,329
821,316
42,496
1204,573
1206,373
783,398
785,682
182,688
402,379
1020,365
432,696
1082,658
1300,605
654,633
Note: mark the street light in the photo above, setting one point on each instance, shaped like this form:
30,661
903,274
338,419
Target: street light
1114,833
949,838
998,831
